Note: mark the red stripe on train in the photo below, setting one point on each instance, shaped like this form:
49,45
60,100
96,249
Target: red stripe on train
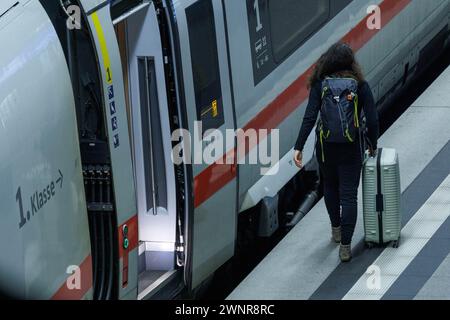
217,175
133,238
64,293
132,241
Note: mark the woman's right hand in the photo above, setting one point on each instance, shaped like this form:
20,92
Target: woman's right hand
298,158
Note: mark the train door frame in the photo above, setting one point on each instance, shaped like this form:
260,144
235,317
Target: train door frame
111,82
207,250
145,61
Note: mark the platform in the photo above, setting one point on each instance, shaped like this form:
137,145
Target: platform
305,264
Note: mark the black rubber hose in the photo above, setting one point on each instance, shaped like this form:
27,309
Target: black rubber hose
94,253
308,203
305,207
109,256
102,253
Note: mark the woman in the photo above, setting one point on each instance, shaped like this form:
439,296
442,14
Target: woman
340,163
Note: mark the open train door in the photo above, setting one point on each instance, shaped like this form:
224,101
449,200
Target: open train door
116,273
143,36
204,71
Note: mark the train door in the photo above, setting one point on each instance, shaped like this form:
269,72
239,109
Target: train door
44,231
115,274
208,102
143,61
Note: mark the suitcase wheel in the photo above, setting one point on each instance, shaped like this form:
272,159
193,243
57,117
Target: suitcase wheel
369,245
396,243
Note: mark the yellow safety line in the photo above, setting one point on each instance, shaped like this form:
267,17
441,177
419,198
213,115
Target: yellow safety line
103,47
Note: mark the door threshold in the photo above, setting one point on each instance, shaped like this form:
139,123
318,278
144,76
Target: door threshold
154,281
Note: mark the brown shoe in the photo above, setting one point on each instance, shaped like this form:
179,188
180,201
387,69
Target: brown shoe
336,234
345,253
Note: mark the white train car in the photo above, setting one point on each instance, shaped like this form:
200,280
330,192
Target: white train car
92,205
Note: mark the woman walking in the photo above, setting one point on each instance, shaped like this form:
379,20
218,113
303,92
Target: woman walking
338,90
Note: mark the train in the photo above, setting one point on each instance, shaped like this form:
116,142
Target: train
92,204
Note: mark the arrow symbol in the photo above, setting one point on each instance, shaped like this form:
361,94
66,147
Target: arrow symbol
60,179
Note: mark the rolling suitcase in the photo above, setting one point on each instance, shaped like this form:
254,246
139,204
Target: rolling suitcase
381,198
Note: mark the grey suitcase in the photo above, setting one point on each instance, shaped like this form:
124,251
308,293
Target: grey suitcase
381,198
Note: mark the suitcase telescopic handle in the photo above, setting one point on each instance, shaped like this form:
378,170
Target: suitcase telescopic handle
379,197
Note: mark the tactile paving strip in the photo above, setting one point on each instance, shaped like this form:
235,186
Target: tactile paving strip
415,235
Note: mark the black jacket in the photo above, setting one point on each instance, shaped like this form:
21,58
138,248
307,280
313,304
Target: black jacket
366,100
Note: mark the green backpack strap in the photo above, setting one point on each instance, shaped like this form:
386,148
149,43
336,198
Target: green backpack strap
324,91
355,102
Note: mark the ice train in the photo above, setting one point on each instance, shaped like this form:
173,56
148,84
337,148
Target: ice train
92,206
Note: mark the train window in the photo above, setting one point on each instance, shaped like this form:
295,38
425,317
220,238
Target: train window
205,64
293,21
278,27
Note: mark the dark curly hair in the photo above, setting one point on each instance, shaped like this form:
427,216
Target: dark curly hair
338,60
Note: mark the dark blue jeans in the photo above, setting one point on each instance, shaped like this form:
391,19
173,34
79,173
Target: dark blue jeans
341,173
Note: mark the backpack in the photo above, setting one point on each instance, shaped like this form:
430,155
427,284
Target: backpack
339,119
